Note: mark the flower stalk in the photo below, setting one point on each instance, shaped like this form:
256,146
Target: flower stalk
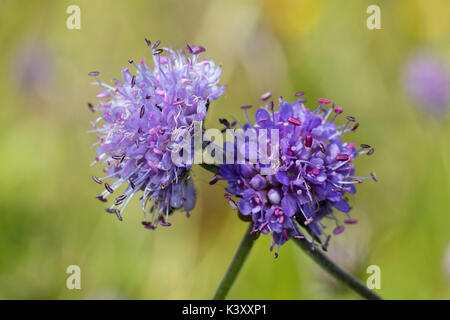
337,272
312,251
235,265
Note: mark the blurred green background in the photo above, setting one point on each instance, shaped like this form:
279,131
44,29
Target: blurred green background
49,218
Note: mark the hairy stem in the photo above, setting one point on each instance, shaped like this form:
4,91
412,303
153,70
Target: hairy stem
337,272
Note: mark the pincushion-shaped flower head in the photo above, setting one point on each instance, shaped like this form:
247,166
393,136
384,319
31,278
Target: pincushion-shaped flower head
315,171
141,118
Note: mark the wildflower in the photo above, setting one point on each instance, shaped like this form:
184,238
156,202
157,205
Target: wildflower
315,172
141,118
426,79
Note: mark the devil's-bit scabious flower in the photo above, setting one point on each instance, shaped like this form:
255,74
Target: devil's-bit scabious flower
315,172
141,119
426,79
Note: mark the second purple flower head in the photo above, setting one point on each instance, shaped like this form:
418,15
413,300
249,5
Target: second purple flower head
315,172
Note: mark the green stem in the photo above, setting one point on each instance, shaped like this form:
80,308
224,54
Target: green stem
337,272
316,254
236,265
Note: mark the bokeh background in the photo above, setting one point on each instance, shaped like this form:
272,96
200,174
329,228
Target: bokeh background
49,218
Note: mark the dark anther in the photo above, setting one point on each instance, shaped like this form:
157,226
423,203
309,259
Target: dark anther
108,187
94,73
96,179
156,44
342,157
322,148
100,197
91,107
374,177
308,141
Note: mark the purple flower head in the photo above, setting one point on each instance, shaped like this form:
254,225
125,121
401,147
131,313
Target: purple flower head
141,118
315,172
426,79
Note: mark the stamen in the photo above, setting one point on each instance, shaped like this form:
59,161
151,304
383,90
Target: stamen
263,226
342,157
103,94
157,43
338,110
96,180
338,230
374,177
148,225
142,112
108,187
101,198
214,180
94,73
322,148
324,101
121,197
294,121
188,47
91,107
308,141
325,245
266,96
